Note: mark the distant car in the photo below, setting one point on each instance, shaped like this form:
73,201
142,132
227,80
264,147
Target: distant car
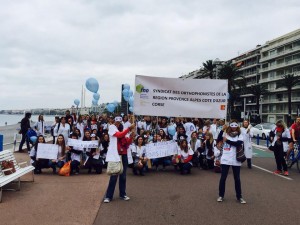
263,130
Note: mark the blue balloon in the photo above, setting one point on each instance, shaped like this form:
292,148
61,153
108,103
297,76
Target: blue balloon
116,103
130,93
126,87
131,101
125,93
110,107
126,98
76,102
171,130
92,85
95,102
33,139
96,96
131,108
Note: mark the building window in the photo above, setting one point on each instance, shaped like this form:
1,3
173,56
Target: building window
272,52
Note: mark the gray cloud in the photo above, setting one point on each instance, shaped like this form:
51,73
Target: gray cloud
49,48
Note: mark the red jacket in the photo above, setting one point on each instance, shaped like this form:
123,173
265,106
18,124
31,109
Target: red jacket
123,142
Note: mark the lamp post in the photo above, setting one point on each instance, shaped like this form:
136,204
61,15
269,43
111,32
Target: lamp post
216,64
260,108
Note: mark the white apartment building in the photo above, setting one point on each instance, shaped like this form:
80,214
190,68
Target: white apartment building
280,56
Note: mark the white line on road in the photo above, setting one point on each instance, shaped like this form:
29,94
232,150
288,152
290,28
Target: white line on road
268,171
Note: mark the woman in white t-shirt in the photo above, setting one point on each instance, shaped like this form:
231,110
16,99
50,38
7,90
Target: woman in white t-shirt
138,150
232,140
185,156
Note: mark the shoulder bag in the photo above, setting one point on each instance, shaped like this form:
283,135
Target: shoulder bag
240,154
114,168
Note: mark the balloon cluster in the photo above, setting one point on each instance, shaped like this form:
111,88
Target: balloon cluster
111,107
128,96
93,86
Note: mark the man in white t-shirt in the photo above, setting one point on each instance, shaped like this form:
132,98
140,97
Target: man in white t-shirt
189,128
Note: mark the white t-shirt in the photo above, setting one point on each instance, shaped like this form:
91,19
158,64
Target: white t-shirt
185,155
189,129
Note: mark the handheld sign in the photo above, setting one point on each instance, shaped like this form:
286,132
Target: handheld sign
47,151
80,145
161,149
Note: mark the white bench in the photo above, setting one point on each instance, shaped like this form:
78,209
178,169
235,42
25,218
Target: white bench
7,155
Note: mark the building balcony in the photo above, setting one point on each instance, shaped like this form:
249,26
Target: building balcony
278,77
279,54
281,100
280,65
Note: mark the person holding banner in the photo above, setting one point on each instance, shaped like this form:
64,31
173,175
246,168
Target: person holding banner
117,151
232,140
38,163
138,153
165,161
185,156
61,156
75,156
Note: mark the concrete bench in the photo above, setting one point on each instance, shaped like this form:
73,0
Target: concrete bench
7,155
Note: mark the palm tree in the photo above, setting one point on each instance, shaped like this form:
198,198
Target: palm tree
258,90
288,81
229,72
209,67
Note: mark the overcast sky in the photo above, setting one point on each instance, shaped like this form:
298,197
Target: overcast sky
49,48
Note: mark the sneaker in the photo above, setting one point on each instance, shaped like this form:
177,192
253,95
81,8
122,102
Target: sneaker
220,199
286,173
125,198
106,200
277,172
242,201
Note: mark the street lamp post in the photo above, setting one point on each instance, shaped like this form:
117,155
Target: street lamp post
216,64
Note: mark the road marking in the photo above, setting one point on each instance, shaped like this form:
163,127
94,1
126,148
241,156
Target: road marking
268,171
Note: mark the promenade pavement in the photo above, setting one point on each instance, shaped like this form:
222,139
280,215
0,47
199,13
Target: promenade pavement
161,197
53,199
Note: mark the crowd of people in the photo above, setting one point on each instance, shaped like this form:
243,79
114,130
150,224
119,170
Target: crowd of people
204,143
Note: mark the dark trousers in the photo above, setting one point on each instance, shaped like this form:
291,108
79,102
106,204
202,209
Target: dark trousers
122,181
41,163
165,161
75,166
279,158
23,140
185,167
237,181
53,165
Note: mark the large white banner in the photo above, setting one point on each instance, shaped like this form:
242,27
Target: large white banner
177,97
47,151
161,149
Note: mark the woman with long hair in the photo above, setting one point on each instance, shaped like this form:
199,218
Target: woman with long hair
208,147
232,140
38,163
61,156
185,156
247,135
40,126
279,137
138,150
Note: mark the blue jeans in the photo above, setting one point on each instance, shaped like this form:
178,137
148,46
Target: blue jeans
122,181
237,181
53,165
165,161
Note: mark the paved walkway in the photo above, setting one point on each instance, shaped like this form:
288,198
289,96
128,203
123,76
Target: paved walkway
53,199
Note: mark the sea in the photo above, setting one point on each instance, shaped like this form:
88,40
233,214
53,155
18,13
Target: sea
8,119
